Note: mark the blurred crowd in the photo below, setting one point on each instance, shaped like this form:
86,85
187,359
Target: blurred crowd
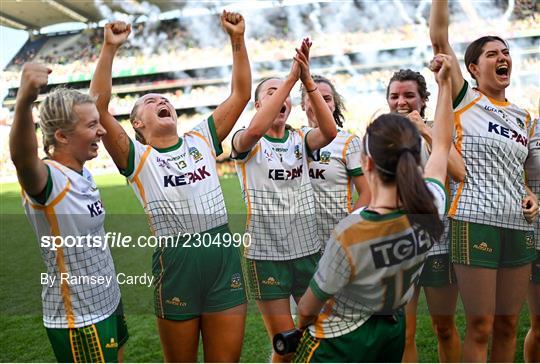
364,99
74,56
152,47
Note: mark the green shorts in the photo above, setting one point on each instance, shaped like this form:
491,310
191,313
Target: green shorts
271,280
377,340
91,344
437,271
535,269
490,246
191,278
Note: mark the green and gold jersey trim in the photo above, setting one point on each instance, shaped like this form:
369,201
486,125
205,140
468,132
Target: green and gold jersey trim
318,292
441,185
171,148
215,140
44,195
278,140
131,161
356,172
461,94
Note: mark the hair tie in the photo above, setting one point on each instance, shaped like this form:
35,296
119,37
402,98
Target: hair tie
405,150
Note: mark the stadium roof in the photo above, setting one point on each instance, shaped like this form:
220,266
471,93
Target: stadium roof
36,14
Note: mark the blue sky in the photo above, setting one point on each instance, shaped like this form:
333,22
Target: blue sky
11,41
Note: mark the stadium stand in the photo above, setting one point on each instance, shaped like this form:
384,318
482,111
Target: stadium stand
360,61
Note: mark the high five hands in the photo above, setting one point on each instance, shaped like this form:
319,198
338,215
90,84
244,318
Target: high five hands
302,59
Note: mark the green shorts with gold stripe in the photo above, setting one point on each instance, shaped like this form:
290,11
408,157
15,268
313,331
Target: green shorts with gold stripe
437,271
196,276
97,343
377,340
490,246
271,280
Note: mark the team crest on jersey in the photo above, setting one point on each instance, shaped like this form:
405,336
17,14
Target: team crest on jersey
325,157
297,152
163,163
520,123
194,152
236,281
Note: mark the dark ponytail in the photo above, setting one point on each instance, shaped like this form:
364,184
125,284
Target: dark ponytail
393,143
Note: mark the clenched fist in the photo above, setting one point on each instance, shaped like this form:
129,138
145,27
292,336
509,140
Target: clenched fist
233,23
441,65
33,77
116,33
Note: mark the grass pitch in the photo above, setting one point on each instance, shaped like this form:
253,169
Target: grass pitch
22,335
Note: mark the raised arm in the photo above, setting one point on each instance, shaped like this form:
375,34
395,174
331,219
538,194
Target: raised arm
437,164
246,139
439,20
326,131
226,114
23,145
116,140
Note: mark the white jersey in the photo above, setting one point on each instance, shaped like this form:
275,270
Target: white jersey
279,198
493,139
82,288
370,265
532,168
331,170
179,186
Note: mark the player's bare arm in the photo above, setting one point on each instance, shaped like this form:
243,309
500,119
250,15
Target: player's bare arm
326,131
116,141
437,164
246,139
226,114
364,194
439,19
309,308
23,144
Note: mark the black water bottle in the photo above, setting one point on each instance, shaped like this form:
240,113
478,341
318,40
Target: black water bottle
287,342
